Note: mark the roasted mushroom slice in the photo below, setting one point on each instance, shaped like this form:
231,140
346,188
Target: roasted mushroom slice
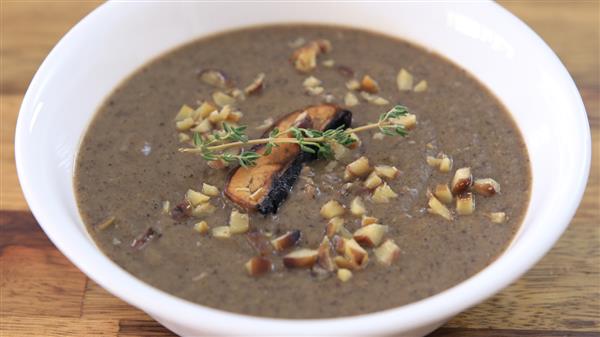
265,186
287,240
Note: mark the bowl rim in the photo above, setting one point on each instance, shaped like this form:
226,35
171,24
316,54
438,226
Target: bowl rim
417,314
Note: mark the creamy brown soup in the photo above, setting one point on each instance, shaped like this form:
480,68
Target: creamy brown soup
129,165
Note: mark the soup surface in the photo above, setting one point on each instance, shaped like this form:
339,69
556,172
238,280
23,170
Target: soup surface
130,170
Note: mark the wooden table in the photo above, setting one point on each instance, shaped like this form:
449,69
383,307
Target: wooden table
42,293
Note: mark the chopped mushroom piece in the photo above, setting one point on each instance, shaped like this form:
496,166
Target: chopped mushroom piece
462,180
239,222
404,80
287,240
445,164
311,82
166,206
436,207
256,86
333,226
332,209
234,116
305,57
221,232
143,239
258,265
184,124
355,253
204,110
443,193
214,77
386,171
314,91
357,207
370,235
378,136
324,255
498,217
350,99
486,187
344,263
367,220
373,180
344,274
353,84
301,258
210,190
409,121
267,123
360,167
421,86
203,127
387,253
379,101
222,99
201,227
203,209
433,161
183,137
328,63
383,194
196,198
259,242
184,112
465,203
369,85
106,223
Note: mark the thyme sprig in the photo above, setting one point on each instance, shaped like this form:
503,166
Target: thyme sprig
217,145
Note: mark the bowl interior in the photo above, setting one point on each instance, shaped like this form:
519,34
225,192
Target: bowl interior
118,38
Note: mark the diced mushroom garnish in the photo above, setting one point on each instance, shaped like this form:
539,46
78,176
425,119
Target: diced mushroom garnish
343,262
383,194
360,167
311,82
379,101
203,127
357,142
498,217
287,240
196,198
166,207
332,209
409,121
324,253
210,190
222,99
185,124
333,226
369,85
301,258
339,244
203,210
184,112
201,227
387,253
256,86
221,232
355,253
353,84
267,123
367,220
328,63
219,116
378,136
331,166
105,223
345,71
443,193
404,80
436,207
486,187
373,180
234,116
433,161
204,110
344,232
314,91
350,99
305,58
421,86
386,171
215,78
445,164
344,274
462,180
183,137
370,235
238,222
465,203
258,265
357,207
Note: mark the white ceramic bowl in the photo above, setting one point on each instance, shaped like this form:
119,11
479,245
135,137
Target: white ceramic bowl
117,38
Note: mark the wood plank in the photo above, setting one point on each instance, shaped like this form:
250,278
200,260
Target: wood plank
53,326
11,197
99,304
142,328
36,278
462,332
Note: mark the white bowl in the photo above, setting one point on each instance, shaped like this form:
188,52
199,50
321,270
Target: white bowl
117,38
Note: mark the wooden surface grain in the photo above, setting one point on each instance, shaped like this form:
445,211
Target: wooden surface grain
43,294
